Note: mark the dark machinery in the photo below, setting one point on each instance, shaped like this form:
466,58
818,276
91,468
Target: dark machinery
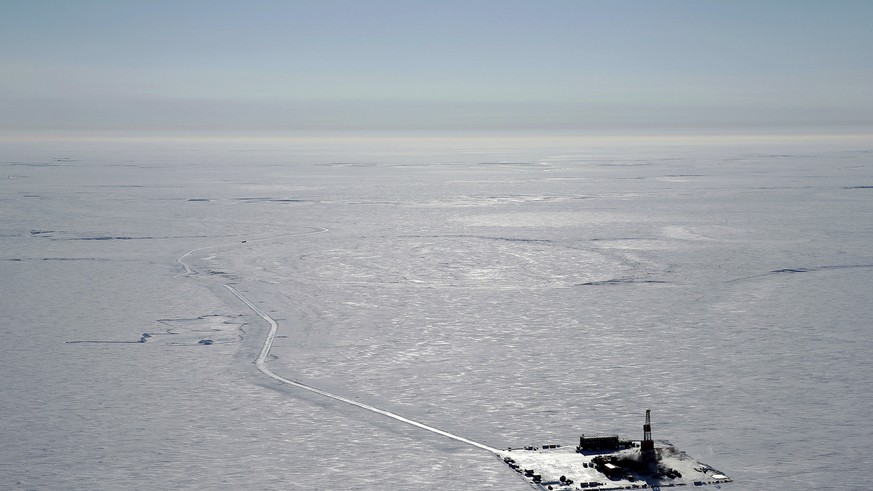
647,446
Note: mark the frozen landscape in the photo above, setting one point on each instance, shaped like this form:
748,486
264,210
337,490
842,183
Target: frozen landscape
509,292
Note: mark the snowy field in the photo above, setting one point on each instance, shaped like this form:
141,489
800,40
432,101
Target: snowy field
514,292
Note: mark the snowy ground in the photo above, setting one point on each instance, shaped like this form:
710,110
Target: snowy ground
509,293
564,468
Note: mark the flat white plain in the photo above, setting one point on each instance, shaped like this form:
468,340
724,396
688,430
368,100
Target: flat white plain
517,295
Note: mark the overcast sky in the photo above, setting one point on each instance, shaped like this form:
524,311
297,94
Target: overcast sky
434,65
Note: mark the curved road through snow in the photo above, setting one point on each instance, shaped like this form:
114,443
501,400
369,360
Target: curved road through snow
261,361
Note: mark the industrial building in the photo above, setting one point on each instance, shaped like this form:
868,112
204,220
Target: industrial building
598,443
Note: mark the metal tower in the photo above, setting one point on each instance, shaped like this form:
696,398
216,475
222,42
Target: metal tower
647,446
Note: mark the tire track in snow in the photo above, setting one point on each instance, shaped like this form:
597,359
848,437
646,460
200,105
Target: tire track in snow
261,361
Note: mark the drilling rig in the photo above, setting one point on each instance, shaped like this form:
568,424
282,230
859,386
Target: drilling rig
647,446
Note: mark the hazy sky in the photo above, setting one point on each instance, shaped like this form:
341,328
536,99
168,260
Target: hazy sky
457,65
